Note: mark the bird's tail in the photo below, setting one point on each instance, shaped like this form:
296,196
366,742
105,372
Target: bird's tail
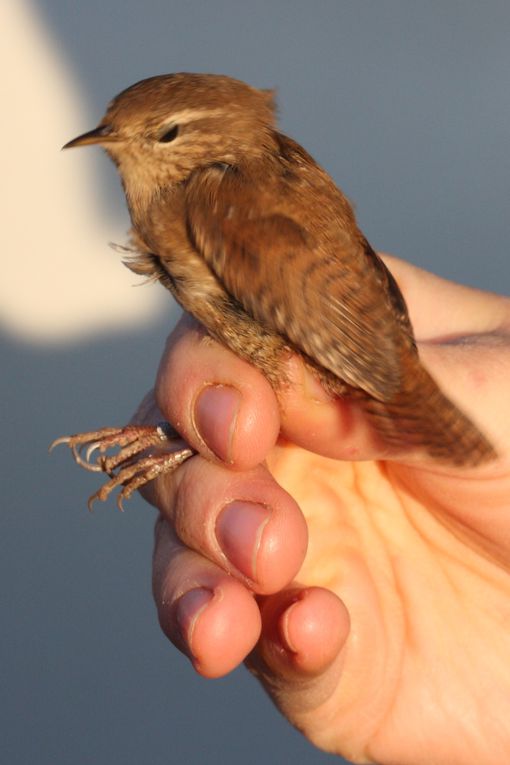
421,416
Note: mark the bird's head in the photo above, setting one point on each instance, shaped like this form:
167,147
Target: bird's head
161,129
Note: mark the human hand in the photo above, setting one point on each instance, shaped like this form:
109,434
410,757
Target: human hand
386,637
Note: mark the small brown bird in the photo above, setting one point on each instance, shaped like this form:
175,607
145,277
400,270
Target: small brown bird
254,239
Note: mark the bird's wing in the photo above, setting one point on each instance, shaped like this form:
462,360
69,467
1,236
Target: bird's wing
334,301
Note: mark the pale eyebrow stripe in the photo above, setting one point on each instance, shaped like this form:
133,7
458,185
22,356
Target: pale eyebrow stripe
186,115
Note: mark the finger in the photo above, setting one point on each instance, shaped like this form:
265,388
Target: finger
300,655
321,423
474,376
225,408
208,615
244,522
303,631
220,404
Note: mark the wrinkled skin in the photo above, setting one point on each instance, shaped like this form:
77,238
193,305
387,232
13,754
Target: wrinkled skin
369,592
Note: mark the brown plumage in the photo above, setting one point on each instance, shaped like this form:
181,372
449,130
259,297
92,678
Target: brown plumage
254,239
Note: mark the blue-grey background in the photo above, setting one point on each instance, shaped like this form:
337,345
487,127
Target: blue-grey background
408,106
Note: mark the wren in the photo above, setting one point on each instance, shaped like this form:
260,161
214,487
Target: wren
252,237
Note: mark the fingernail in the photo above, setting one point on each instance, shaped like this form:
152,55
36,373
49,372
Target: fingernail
215,418
189,608
239,531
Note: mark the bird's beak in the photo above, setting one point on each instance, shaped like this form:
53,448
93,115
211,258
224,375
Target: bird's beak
103,134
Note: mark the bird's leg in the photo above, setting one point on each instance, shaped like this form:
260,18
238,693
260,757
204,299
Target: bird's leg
128,467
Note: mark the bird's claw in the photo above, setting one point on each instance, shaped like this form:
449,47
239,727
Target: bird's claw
128,467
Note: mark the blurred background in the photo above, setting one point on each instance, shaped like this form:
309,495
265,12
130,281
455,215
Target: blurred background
406,104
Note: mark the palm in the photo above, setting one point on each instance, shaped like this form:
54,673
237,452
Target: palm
416,559
407,662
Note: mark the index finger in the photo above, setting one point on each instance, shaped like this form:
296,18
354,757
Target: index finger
221,405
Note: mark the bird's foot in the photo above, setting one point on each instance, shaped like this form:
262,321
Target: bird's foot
128,467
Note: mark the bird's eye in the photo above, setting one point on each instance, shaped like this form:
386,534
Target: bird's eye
169,134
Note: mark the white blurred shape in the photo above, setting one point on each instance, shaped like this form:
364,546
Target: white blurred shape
58,278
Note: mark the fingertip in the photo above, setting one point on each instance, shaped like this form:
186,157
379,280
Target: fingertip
239,425
244,522
221,405
304,631
314,629
214,416
266,545
209,616
218,627
283,547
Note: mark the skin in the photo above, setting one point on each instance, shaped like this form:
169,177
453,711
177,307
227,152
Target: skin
370,596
